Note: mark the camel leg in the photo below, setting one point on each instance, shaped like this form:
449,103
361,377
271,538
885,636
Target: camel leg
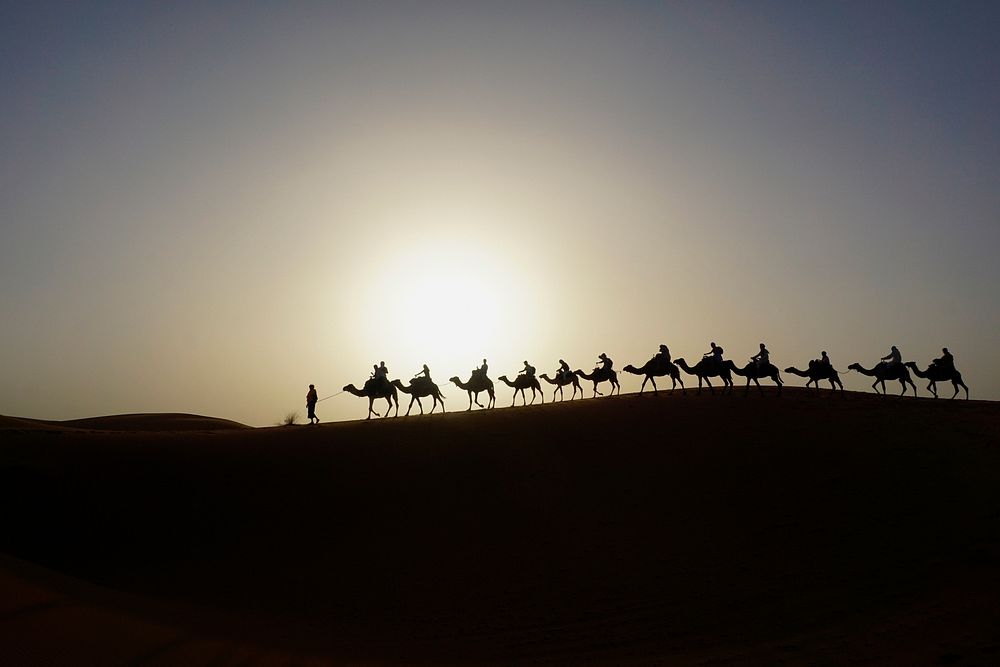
656,390
902,383
875,386
963,387
412,398
707,382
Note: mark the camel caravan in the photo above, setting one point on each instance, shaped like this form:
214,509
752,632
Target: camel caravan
711,365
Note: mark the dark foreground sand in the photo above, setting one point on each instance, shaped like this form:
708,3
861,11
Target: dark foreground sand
695,530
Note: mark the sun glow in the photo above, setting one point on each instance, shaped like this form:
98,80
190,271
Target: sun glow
448,303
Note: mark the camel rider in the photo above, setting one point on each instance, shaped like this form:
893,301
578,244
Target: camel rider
945,362
824,361
382,374
426,372
374,371
715,355
529,370
481,370
563,371
605,363
663,356
763,358
894,357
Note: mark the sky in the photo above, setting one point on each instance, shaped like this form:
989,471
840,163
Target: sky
205,207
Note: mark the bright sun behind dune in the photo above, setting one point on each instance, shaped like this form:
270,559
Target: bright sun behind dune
448,302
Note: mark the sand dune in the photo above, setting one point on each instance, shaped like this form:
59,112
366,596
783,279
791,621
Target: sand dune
810,529
166,421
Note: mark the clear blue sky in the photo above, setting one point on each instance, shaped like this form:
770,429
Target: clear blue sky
206,207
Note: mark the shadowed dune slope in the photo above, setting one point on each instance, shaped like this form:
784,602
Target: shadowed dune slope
811,528
167,421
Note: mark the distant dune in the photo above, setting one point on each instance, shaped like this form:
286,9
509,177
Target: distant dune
167,421
815,528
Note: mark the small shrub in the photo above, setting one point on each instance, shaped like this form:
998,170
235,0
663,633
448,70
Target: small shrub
290,419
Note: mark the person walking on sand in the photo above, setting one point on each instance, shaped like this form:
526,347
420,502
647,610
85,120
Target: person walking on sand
311,399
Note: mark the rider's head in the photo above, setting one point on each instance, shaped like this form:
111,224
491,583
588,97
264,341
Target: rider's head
713,345
945,350
663,348
602,356
894,348
311,387
525,362
762,346
824,353
382,364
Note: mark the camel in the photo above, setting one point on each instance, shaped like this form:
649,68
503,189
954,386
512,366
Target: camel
937,374
476,384
883,372
818,372
753,372
654,368
374,389
705,369
561,381
421,387
600,375
520,383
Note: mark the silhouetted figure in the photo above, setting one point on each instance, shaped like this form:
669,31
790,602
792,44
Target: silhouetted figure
562,379
711,365
658,366
941,370
377,387
883,372
421,386
663,354
477,383
757,369
563,373
714,356
311,399
604,363
945,363
529,370
763,358
382,376
819,369
524,381
481,371
894,358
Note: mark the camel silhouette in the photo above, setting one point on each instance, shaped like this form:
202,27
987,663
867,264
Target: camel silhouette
520,383
477,383
601,375
654,368
562,381
707,368
818,372
883,372
418,388
375,389
752,371
936,374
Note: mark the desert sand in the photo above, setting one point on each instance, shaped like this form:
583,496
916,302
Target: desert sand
813,528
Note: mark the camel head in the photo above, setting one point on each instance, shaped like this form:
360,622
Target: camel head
455,379
350,387
629,368
854,367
